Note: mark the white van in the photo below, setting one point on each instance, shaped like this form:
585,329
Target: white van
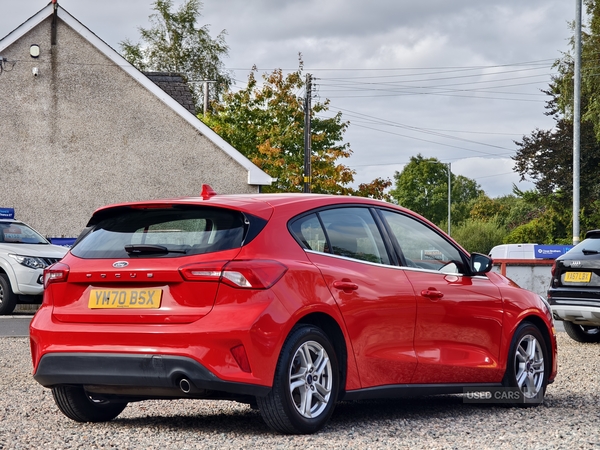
513,251
528,251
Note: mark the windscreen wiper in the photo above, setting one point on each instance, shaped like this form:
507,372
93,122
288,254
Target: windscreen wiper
138,249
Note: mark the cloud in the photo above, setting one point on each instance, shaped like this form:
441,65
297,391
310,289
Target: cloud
455,80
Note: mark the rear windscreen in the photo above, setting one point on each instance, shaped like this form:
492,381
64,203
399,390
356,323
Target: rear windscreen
587,246
161,232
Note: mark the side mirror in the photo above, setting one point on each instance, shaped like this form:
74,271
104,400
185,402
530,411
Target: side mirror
480,263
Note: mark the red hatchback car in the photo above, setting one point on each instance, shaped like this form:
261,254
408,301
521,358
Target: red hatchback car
288,302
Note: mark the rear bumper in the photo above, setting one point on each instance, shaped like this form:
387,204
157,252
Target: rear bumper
582,315
578,305
138,375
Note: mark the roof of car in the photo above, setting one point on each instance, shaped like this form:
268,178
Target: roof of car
254,203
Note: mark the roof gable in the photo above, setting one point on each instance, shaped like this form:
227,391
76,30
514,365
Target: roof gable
255,175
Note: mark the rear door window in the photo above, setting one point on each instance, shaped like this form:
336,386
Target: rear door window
162,232
349,232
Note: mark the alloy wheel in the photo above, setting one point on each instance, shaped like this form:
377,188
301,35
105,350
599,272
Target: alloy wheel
310,379
529,366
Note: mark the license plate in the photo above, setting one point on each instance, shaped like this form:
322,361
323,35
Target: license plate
578,277
125,298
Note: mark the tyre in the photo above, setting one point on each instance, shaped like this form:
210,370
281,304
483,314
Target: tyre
306,384
8,300
527,366
582,333
75,403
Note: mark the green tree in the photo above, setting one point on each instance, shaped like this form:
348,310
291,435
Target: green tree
422,186
535,218
562,85
266,124
477,235
175,44
550,228
546,156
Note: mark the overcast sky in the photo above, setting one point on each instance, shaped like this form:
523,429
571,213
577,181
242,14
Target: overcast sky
457,80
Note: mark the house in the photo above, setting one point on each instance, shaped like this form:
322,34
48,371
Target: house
80,127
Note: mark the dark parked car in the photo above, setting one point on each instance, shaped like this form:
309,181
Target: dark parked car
288,302
574,292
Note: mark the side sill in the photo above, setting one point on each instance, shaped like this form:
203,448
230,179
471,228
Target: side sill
413,390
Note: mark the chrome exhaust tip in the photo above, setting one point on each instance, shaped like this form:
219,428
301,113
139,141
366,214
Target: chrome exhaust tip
185,386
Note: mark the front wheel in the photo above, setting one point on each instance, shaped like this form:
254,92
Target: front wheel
528,365
77,404
582,333
8,300
306,383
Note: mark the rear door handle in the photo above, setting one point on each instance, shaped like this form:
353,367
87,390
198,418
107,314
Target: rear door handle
345,285
432,293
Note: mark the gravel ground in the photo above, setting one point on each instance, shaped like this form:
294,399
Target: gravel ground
568,419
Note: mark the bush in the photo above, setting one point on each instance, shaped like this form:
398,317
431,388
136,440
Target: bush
479,235
549,228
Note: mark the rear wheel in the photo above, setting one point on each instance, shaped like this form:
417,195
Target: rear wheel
527,366
306,384
75,403
582,333
8,300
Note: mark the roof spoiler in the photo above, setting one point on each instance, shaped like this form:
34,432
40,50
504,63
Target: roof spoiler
593,234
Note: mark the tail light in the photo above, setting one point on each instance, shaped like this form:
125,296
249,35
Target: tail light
246,274
553,269
56,273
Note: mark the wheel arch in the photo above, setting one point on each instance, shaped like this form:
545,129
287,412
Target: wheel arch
332,329
7,270
539,323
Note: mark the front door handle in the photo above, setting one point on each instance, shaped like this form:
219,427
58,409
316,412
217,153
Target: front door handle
432,293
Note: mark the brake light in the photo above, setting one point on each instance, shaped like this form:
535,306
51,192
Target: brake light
253,274
246,274
553,269
56,273
203,271
152,206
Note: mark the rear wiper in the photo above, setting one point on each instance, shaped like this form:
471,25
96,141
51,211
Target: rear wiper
589,252
148,248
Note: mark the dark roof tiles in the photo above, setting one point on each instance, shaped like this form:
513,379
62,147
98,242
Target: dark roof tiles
175,85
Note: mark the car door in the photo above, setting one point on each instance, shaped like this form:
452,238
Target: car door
459,316
375,298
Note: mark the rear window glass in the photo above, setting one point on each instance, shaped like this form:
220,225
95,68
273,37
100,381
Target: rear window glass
587,245
169,232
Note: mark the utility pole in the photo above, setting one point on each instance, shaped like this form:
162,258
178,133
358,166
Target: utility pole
449,197
576,122
307,135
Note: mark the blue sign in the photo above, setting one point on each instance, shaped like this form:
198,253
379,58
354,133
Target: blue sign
7,213
64,242
550,251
